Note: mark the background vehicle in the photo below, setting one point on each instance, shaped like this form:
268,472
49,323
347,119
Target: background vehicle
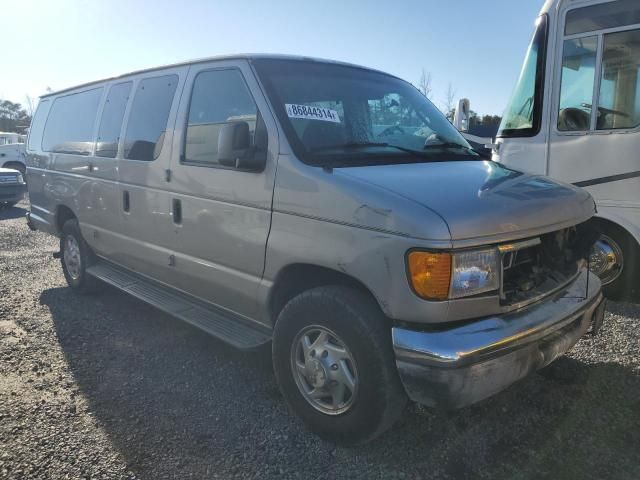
12,151
575,116
12,187
328,207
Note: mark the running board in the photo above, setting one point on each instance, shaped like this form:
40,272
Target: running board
230,328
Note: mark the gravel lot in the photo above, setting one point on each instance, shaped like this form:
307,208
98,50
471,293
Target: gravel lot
108,387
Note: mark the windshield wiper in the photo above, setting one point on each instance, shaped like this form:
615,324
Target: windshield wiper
449,145
355,145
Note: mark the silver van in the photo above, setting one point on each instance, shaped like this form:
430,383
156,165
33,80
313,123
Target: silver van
324,207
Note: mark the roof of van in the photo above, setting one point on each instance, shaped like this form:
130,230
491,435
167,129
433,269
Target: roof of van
240,56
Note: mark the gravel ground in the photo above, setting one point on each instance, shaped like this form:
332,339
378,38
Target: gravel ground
108,387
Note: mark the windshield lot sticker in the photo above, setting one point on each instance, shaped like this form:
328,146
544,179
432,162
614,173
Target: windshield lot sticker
312,113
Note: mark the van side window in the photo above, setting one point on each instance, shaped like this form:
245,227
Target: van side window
619,101
37,125
149,116
69,128
218,97
602,16
111,121
576,87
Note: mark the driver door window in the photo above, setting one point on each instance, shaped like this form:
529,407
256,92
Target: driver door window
576,88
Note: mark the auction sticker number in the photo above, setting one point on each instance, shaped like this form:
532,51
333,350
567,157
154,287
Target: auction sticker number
312,113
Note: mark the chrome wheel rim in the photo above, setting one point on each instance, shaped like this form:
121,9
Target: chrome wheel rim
72,258
606,260
324,370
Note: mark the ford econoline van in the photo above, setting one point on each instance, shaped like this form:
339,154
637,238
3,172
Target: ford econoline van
326,208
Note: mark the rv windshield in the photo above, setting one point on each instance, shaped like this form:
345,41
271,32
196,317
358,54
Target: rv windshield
523,114
339,115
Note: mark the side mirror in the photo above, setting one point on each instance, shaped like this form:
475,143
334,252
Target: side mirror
235,150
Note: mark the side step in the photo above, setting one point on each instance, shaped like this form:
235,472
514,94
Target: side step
230,328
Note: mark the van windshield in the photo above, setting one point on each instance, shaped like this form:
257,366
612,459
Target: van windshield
523,114
340,115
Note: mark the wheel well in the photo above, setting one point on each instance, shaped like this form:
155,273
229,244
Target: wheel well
16,166
606,224
62,215
297,278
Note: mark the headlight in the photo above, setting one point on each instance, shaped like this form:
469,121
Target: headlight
441,276
19,178
474,272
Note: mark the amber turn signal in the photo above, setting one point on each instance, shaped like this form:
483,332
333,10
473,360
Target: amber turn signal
430,274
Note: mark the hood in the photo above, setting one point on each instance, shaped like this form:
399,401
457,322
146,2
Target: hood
8,170
482,201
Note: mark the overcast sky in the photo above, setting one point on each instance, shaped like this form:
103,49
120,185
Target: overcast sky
477,45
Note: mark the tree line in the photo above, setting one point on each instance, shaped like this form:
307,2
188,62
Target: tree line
14,117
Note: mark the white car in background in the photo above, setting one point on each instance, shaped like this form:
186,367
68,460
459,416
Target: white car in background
12,151
12,187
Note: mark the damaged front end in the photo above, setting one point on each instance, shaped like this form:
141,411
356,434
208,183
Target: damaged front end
535,268
465,362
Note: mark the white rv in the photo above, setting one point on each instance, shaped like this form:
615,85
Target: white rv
12,151
575,115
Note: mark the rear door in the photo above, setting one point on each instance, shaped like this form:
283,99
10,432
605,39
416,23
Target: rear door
102,199
221,216
143,201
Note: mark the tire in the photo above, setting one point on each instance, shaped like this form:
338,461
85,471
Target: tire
625,286
355,319
75,257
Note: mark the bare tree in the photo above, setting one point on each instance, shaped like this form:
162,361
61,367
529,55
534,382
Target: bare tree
425,84
450,99
30,106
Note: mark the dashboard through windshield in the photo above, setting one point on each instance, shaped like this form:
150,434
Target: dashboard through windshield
342,115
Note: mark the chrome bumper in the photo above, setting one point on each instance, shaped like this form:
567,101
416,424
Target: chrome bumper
461,365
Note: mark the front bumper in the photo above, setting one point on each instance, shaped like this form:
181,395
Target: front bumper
455,367
12,192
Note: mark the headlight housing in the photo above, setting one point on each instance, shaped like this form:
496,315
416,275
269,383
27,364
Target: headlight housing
443,275
19,178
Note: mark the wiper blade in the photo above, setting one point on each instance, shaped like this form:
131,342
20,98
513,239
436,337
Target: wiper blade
355,145
469,150
449,145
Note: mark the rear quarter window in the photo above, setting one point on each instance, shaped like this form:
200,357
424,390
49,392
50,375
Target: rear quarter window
37,125
69,127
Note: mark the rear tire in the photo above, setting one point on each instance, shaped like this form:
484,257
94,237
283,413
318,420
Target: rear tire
355,325
76,256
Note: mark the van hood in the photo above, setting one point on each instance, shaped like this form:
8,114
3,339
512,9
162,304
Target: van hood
482,201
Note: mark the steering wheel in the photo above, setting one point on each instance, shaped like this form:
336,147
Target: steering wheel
573,120
390,130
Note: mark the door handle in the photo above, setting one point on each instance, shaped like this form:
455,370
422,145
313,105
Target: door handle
177,211
90,167
126,201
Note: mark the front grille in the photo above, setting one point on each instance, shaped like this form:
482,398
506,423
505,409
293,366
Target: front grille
534,268
4,179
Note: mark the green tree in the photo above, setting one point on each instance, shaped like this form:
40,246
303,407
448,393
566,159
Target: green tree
13,117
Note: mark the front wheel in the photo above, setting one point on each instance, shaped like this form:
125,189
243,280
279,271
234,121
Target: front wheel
335,366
